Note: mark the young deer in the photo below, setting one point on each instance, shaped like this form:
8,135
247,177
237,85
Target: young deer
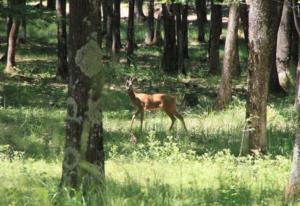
151,102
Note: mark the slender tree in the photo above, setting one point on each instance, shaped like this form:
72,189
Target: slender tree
284,46
260,61
230,57
292,189
244,11
157,39
201,18
116,43
83,154
109,25
214,37
150,22
130,31
184,11
17,6
62,67
22,38
179,37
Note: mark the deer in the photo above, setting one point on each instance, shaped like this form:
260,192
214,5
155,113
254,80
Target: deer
156,101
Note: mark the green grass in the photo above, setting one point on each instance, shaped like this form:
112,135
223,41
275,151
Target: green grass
200,167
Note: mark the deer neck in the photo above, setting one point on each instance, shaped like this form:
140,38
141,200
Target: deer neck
131,94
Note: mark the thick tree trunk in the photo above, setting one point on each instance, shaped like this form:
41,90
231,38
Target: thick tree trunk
83,153
201,18
51,4
157,39
284,46
130,31
150,23
260,61
116,44
169,57
138,10
214,38
62,66
185,30
230,57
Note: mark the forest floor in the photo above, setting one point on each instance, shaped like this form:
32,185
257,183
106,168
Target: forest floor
201,167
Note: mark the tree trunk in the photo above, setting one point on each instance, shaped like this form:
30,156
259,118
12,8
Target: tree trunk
294,46
260,61
130,31
138,10
109,25
23,31
185,30
104,11
284,46
12,38
62,67
157,39
244,12
214,38
274,85
51,4
116,44
99,22
169,57
230,57
8,27
83,154
292,189
150,22
179,34
201,18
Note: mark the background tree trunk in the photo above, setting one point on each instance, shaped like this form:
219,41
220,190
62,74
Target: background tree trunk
138,10
214,38
12,37
274,85
116,44
230,57
104,11
150,22
185,30
179,34
130,31
84,134
201,18
62,67
169,57
23,31
51,4
284,47
244,14
260,61
157,39
109,25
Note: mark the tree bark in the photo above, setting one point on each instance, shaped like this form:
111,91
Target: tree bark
284,46
179,34
12,37
230,57
274,85
169,57
130,31
116,44
83,154
150,23
201,18
214,38
260,62
51,4
138,10
109,25
62,66
157,39
185,30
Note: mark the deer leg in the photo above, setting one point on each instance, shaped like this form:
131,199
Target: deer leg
142,119
172,118
133,117
179,116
